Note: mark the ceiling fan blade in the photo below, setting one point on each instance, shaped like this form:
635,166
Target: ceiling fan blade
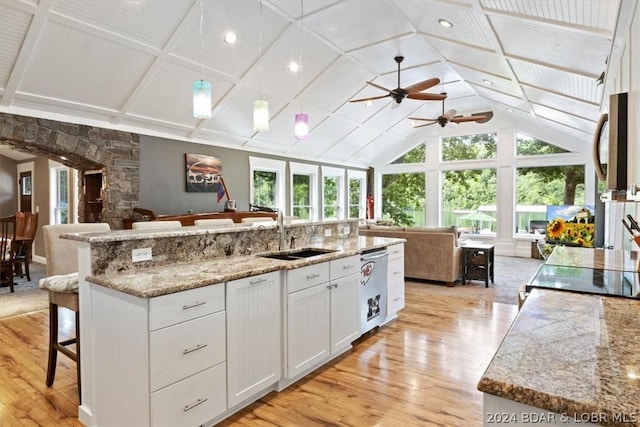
424,85
449,114
370,98
426,124
422,119
379,87
467,119
488,115
427,96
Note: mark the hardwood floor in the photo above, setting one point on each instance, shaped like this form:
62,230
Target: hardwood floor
420,370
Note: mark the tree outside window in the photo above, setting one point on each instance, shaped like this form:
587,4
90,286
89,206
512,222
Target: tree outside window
469,147
537,187
469,191
403,198
355,195
330,204
264,188
302,196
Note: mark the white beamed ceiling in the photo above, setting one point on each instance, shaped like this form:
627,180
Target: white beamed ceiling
129,65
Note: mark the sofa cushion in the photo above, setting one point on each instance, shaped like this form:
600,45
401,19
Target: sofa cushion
386,227
451,229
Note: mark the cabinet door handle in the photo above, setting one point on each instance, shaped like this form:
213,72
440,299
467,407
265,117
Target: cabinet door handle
255,282
329,286
397,272
192,349
335,285
194,404
195,304
312,276
346,267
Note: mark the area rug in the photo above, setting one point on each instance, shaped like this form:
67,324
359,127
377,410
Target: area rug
509,274
27,297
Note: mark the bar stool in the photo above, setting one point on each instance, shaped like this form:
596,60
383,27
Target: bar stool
62,284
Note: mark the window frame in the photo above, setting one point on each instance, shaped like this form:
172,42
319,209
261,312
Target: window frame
269,165
312,171
339,173
362,199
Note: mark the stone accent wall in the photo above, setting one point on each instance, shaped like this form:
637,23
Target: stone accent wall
115,153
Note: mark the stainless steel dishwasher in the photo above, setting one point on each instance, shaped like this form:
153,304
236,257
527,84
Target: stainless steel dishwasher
373,288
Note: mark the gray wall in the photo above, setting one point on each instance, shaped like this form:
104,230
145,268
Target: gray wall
163,176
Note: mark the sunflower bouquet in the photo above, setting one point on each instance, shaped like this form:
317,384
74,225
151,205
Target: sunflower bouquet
574,233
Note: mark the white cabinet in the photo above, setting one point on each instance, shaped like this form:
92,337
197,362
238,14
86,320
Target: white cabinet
322,316
395,281
253,335
157,361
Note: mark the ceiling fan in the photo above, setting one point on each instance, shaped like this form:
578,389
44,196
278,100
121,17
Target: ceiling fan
450,117
414,91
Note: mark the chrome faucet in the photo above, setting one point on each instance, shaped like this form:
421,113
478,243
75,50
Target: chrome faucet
281,228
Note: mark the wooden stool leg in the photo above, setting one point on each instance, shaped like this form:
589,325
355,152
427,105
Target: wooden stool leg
78,355
53,339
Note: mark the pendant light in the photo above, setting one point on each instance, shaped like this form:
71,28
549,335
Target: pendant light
301,127
260,106
201,89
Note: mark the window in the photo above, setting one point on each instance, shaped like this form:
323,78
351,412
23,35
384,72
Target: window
469,147
528,146
357,193
267,183
469,200
537,187
417,155
61,196
304,189
403,198
332,193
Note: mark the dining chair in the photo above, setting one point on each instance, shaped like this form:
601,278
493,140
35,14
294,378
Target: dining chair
7,237
24,243
148,225
62,283
213,222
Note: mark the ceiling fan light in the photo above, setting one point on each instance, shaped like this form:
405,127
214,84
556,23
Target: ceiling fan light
445,23
201,99
301,129
260,115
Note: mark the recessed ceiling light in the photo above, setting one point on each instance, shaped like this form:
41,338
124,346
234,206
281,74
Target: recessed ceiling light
487,82
510,110
63,158
294,67
445,23
368,103
230,37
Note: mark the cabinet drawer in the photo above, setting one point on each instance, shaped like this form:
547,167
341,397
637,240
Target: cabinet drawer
304,277
192,401
396,251
186,348
395,297
344,266
182,306
395,271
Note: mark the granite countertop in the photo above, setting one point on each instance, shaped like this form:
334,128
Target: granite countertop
606,259
572,354
161,280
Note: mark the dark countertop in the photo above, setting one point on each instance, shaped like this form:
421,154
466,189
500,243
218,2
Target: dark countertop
571,354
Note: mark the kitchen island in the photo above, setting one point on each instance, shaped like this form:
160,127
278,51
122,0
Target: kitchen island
210,324
571,357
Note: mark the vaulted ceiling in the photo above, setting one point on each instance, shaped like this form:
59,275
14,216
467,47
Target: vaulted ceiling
129,64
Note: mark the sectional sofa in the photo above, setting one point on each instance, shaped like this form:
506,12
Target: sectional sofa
430,253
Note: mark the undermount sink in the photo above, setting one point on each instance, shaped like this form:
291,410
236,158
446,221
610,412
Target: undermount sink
298,254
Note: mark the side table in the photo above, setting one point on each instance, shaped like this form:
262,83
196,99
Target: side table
477,263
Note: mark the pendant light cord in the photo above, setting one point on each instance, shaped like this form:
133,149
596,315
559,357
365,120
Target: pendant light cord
201,42
300,58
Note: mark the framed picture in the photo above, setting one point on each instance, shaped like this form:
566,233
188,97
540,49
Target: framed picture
203,173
